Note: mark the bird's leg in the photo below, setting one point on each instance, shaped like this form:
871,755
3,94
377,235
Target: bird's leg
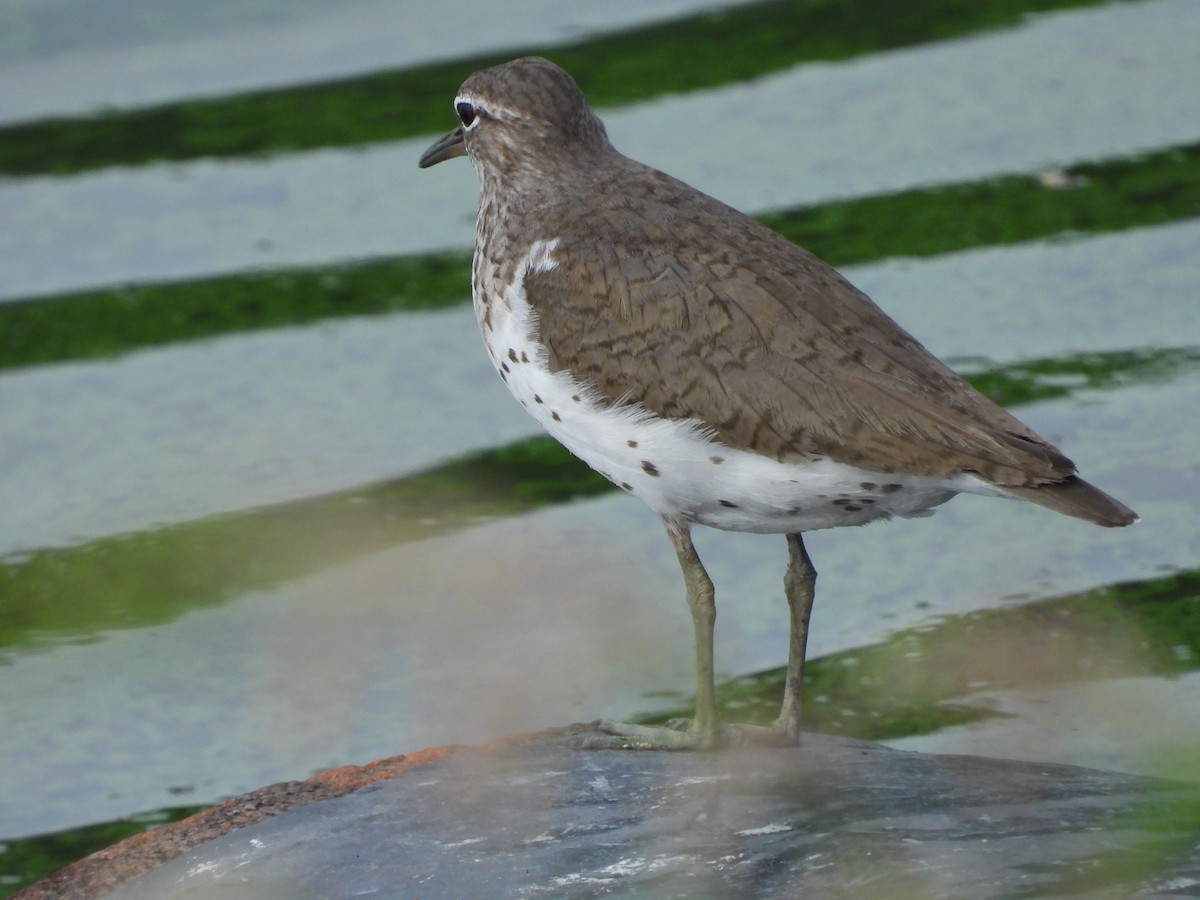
701,598
799,584
701,732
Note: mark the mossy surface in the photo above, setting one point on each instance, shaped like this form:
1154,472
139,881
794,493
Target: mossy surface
1103,196
690,53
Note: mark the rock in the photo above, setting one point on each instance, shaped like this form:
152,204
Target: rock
832,818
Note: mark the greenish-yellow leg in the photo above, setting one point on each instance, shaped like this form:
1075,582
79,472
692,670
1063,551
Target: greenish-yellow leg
701,732
704,732
800,586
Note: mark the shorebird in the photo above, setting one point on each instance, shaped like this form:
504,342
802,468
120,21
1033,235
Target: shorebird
703,363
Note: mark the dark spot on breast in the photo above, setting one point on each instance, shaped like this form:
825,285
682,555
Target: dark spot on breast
728,504
891,488
627,486
504,367
850,507
866,501
512,354
557,418
575,397
524,357
868,485
537,399
632,443
649,468
716,460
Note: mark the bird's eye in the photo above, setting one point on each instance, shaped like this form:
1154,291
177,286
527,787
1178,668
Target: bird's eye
466,113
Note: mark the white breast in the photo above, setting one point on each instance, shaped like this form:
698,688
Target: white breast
676,465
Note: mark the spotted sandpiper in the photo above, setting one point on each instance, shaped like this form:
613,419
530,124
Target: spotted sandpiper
705,364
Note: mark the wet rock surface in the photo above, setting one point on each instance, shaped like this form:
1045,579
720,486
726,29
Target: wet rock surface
833,818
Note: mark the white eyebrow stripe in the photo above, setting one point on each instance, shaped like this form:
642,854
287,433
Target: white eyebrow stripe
491,109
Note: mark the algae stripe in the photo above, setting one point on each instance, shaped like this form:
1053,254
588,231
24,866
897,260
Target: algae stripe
695,52
156,575
1113,195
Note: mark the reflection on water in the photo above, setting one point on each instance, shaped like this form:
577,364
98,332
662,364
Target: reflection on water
234,561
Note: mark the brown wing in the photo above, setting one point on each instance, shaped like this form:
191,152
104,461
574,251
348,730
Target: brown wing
698,312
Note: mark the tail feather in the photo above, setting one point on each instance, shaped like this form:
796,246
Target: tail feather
1075,497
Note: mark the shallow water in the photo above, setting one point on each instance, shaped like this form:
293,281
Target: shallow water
202,654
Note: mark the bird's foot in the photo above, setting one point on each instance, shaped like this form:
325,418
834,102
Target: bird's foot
743,734
682,734
678,734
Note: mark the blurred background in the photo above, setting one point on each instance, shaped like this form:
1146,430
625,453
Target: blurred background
265,508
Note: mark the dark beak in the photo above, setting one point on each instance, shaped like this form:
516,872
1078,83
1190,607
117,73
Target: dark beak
446,148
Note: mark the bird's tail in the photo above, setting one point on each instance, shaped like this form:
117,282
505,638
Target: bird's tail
1075,497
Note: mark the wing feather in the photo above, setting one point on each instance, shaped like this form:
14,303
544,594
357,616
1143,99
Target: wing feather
698,312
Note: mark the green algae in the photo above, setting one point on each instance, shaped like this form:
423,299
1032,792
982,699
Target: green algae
1103,196
703,50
